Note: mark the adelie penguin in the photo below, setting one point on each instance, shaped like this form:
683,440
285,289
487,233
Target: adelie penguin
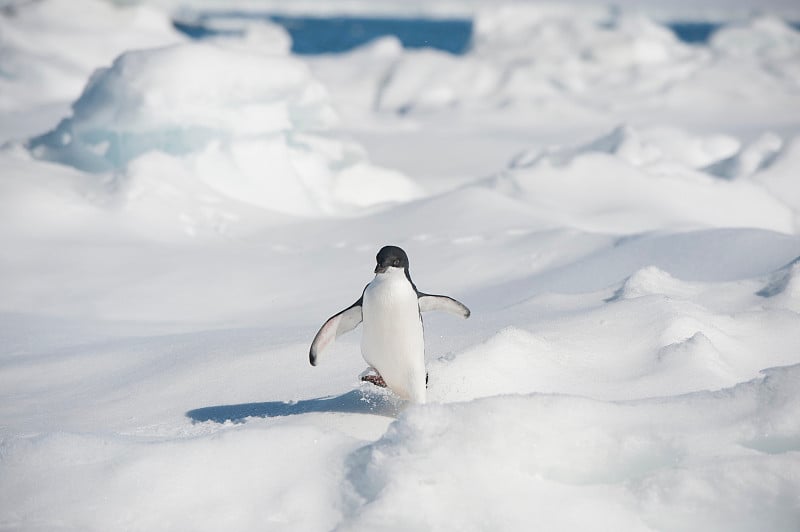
392,343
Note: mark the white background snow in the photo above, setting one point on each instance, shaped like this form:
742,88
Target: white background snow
619,209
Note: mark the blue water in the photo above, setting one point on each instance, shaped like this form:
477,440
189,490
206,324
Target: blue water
312,35
693,32
339,34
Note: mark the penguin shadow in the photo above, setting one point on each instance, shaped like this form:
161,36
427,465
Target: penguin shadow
353,402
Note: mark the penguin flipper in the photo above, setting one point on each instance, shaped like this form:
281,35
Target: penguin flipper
337,325
429,302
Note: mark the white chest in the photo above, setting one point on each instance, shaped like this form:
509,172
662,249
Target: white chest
390,305
392,340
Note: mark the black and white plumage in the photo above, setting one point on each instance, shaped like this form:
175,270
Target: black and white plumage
390,308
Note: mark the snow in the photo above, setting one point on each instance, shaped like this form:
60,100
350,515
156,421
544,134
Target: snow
40,73
639,185
591,65
681,10
619,210
244,111
606,459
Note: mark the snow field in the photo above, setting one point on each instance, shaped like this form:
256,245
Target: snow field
618,209
664,459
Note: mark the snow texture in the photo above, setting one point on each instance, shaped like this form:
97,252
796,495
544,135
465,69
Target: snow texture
619,210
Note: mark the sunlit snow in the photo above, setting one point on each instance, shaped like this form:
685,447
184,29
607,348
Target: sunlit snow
619,208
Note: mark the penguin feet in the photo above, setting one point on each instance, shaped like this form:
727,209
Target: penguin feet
377,380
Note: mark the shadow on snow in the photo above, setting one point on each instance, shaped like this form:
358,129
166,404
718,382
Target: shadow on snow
353,402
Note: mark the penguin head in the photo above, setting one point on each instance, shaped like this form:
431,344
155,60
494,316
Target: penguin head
391,257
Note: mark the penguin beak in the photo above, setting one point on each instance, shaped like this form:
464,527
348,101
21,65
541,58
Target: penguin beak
380,269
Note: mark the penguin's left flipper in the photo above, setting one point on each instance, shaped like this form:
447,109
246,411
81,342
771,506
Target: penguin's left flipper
429,302
337,325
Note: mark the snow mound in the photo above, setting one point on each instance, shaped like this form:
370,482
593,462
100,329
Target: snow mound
651,281
511,361
594,63
430,80
764,37
699,359
523,56
780,177
625,182
252,126
763,51
624,142
752,158
587,40
783,287
177,99
126,480
614,461
652,146
670,347
664,148
48,52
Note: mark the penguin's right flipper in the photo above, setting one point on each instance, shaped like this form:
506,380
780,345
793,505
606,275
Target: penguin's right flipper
337,325
428,302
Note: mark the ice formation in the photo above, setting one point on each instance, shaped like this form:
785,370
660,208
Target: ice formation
619,209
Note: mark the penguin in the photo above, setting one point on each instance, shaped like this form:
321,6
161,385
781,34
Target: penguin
392,342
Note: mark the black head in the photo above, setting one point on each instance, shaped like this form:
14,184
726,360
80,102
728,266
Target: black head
391,256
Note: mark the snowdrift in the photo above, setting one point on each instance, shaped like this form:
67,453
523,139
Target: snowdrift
562,62
628,181
48,51
546,449
226,123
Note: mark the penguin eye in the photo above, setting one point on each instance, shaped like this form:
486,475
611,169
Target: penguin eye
396,262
